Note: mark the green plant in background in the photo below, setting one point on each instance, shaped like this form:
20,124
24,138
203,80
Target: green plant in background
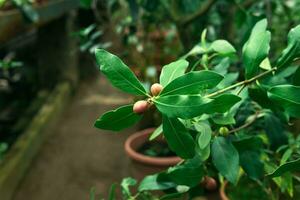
25,6
220,127
6,68
3,148
89,39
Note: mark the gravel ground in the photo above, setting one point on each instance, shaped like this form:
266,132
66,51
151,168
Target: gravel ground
76,156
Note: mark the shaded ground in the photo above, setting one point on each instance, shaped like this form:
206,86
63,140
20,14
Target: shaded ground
77,156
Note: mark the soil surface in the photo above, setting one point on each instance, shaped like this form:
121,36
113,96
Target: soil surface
76,156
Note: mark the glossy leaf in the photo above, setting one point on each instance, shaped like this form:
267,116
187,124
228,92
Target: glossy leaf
192,83
265,64
222,47
285,156
222,103
229,79
222,66
125,184
189,173
246,143
189,106
293,49
296,79
182,106
156,182
157,132
274,129
118,73
172,71
284,182
292,166
197,49
178,138
205,134
251,164
173,196
287,96
223,119
112,192
256,49
118,119
225,158
203,153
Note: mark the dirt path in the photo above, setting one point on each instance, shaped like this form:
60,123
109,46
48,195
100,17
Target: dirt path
77,156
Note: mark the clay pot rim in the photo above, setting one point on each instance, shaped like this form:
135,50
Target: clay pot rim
136,156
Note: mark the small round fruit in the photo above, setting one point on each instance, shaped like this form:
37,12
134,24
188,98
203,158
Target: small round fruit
156,88
224,131
210,183
140,106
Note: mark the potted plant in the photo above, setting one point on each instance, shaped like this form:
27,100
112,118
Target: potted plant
148,156
220,127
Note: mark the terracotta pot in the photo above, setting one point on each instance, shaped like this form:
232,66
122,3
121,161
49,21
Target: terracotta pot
141,164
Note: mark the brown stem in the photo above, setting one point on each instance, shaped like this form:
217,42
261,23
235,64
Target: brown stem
222,191
245,82
245,125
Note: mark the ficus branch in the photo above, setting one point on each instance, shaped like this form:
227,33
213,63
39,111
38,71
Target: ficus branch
245,125
242,83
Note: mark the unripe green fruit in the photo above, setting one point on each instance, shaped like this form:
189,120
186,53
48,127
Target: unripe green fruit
224,131
140,107
156,88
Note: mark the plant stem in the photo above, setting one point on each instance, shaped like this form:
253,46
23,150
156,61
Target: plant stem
195,65
245,125
245,82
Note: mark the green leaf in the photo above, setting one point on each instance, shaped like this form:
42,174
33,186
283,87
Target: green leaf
256,49
173,196
92,193
222,103
182,106
125,184
292,166
265,64
203,153
86,4
287,96
274,129
222,66
118,119
229,79
225,158
118,73
178,138
112,192
223,119
189,173
205,134
172,71
284,182
296,79
246,142
192,83
251,164
156,182
189,106
197,49
222,47
293,49
156,133
286,155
